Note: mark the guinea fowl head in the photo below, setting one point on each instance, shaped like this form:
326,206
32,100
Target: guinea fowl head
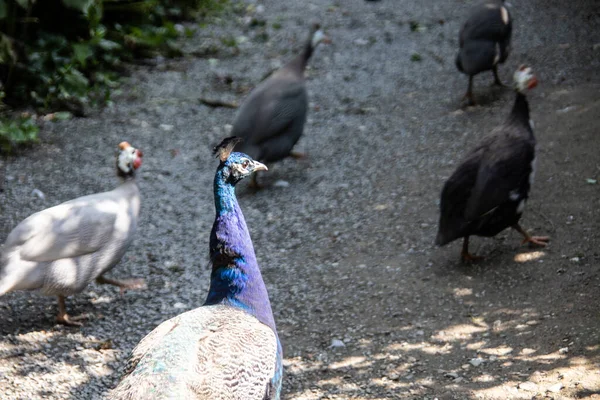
317,36
235,166
128,160
524,79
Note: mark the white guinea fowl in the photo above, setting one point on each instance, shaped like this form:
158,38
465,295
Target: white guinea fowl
60,250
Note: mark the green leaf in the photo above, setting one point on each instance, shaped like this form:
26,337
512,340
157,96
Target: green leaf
80,5
2,9
62,115
81,52
24,3
17,131
7,52
109,45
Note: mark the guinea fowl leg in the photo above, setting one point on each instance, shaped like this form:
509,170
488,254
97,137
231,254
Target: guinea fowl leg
468,97
537,240
465,255
132,284
62,316
497,80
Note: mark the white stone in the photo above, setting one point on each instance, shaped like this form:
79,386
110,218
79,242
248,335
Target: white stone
528,386
38,193
281,183
476,362
555,388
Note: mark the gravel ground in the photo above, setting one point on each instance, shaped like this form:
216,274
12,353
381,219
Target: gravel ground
366,306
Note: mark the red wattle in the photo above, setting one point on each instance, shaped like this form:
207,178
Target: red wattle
532,83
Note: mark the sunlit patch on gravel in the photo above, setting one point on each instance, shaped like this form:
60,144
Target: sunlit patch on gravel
525,257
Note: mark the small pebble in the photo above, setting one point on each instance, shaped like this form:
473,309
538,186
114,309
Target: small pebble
38,193
528,386
281,183
476,362
555,388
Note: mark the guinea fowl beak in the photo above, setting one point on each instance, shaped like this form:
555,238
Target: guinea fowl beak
256,166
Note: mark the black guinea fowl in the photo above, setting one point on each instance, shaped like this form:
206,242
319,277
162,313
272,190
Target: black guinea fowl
488,191
484,42
271,119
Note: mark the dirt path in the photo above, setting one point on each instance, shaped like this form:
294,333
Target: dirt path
346,247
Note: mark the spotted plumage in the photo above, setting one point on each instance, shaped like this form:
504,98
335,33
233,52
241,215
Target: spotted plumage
488,191
214,352
228,349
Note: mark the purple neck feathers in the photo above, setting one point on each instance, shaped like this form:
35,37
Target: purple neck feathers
235,277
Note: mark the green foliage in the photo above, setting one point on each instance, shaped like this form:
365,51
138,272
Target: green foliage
79,5
19,131
148,40
70,53
229,41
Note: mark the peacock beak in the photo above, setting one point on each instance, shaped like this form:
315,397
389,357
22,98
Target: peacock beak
256,166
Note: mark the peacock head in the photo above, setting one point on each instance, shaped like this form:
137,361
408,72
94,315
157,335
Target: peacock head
128,160
524,79
235,166
317,36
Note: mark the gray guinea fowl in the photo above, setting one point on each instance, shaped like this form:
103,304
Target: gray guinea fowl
488,191
271,119
228,348
60,250
484,42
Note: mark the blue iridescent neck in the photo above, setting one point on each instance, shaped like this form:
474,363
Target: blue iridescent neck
235,278
225,200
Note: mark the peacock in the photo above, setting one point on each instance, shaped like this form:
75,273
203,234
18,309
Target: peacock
228,348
